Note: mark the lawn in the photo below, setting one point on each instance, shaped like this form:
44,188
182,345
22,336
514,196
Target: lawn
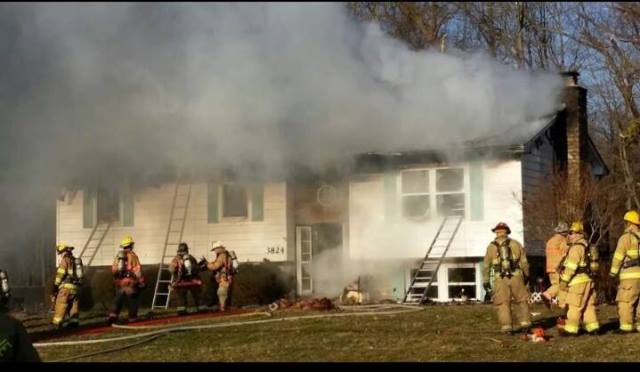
436,333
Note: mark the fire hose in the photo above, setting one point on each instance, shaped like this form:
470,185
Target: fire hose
170,329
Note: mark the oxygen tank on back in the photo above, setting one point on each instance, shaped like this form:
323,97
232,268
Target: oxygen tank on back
122,262
4,284
79,269
234,261
188,267
505,259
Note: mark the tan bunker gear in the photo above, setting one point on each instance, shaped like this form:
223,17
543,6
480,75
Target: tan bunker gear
507,258
626,264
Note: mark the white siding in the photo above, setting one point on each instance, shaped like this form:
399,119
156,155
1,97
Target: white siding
373,236
249,239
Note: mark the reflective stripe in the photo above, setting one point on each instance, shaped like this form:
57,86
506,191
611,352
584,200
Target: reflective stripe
565,277
496,261
630,275
571,328
631,253
618,256
61,271
506,328
614,270
579,279
571,265
181,308
591,326
626,327
57,320
525,324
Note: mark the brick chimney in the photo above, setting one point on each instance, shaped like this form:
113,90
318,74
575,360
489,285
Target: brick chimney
575,99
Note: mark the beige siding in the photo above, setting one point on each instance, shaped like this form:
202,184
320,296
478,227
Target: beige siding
249,239
374,236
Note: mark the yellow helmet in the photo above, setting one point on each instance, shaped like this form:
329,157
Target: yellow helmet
126,241
60,248
577,227
633,217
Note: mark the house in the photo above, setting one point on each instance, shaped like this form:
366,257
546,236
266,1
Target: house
381,214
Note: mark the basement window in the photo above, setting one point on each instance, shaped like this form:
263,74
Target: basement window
234,201
461,282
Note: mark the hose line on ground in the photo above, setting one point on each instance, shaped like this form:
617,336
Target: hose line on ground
404,309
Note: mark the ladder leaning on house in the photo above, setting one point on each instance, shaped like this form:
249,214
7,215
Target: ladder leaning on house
177,219
99,232
426,273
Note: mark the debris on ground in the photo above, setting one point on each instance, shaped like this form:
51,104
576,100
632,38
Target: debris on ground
537,335
304,304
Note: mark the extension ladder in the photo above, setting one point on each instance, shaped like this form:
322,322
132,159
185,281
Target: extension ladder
94,242
425,276
177,219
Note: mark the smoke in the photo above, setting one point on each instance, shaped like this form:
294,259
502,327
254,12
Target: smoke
120,90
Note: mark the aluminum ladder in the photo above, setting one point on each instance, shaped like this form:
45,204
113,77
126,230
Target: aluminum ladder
94,242
426,273
177,219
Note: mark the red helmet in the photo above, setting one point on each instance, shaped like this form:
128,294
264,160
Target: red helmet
502,226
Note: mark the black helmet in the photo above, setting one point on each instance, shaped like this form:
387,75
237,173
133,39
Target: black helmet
183,248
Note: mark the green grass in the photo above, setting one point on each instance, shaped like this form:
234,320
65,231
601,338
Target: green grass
438,333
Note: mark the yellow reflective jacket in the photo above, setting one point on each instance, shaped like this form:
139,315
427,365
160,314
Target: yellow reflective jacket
626,250
576,259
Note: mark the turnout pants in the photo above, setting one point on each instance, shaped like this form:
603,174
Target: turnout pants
183,292
581,300
627,298
507,291
125,294
67,303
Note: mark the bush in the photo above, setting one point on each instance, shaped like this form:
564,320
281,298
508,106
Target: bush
255,284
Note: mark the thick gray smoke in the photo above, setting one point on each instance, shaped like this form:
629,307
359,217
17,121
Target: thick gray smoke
107,90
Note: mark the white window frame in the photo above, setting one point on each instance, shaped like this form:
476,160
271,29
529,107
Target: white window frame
249,215
475,283
433,193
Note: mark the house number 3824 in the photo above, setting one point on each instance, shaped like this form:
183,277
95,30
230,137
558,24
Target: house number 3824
275,250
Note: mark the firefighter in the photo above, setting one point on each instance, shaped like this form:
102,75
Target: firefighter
128,280
555,251
577,271
223,268
185,270
507,258
626,264
66,287
15,345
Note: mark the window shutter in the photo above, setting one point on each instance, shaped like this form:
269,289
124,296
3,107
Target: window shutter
390,195
89,196
212,202
476,191
126,205
257,203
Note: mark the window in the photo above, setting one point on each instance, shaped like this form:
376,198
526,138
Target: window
442,188
416,202
234,202
461,282
450,191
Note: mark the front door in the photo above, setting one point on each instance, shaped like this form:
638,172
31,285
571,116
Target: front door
324,242
304,252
